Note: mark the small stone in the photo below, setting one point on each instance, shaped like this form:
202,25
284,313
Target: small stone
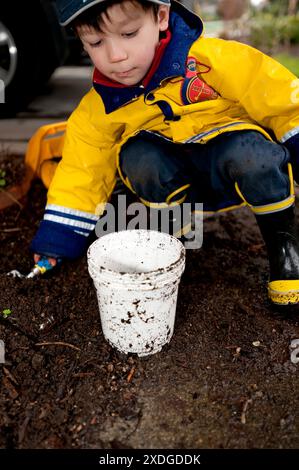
37,361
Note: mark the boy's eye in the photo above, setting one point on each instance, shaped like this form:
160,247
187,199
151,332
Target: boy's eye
130,34
96,44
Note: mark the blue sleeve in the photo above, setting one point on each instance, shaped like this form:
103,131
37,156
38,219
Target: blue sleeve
58,241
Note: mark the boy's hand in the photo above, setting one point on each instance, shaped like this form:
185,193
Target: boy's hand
52,261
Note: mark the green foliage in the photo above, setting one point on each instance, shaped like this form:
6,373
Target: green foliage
267,31
277,7
6,312
289,61
2,178
292,29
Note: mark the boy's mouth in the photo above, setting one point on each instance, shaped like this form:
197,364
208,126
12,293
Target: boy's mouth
125,74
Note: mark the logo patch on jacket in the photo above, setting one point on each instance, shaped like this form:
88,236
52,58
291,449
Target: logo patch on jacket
193,89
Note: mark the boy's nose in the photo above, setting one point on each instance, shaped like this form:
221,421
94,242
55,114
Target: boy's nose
116,53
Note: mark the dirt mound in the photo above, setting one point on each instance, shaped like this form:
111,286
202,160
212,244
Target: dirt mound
224,381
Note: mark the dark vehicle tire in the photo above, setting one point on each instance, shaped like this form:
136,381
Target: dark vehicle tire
32,45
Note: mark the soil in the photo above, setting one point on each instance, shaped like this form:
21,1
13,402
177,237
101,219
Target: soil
12,168
225,380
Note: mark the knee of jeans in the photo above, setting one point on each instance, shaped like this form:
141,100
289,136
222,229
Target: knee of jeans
255,156
140,163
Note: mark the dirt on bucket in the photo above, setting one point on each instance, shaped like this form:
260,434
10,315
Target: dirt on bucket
136,274
226,380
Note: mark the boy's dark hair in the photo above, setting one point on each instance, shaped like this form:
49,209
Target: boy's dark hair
92,16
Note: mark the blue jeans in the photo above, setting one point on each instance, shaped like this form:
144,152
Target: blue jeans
156,168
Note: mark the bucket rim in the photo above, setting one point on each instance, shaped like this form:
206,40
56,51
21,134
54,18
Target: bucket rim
142,274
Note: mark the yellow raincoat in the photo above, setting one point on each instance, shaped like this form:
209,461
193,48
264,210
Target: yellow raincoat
245,90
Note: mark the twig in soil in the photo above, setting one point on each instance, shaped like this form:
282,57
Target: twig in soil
139,416
58,343
84,374
64,383
130,374
15,328
245,406
23,426
10,388
10,376
9,230
91,362
246,309
10,196
24,348
18,215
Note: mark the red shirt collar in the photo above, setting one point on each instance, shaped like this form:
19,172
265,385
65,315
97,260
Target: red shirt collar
101,79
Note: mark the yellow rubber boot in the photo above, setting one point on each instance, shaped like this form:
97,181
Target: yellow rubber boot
280,233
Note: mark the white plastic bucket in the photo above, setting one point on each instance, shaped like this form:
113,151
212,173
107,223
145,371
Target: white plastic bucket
136,274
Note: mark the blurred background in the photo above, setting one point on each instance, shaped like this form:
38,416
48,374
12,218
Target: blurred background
45,71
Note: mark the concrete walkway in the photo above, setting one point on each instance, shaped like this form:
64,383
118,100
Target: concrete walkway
61,95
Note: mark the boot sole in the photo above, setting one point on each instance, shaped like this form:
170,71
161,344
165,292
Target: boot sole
284,292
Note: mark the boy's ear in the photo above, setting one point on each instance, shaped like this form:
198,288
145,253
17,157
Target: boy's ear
163,17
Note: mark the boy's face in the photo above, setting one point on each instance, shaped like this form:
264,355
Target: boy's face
125,47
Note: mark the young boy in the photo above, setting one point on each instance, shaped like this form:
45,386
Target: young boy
181,118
